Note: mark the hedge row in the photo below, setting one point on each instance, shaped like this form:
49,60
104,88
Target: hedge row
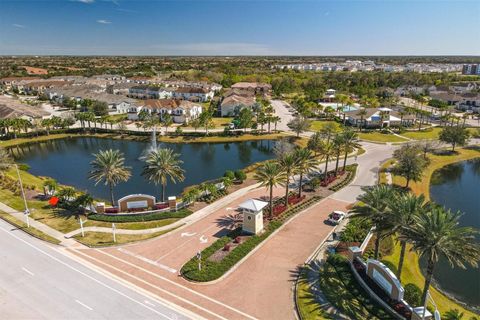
140,217
351,171
213,270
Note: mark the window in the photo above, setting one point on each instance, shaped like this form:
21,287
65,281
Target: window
249,217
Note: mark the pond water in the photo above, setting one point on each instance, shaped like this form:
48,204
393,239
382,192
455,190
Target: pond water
68,161
457,187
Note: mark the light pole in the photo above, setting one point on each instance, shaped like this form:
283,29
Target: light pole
26,212
199,257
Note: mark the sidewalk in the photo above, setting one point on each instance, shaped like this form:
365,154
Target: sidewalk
38,225
197,215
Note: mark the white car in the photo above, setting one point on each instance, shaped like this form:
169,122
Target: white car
336,217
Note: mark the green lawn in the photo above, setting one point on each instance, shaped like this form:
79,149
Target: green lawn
316,125
102,239
308,307
23,226
117,117
424,134
377,136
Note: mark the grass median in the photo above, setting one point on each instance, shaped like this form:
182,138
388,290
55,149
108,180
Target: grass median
20,225
104,239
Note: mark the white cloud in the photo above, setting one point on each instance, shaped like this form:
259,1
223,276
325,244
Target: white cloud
84,1
212,48
102,21
21,26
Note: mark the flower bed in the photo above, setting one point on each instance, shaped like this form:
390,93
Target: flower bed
140,218
212,270
351,171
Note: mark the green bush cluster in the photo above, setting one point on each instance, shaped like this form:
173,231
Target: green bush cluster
213,270
140,217
356,230
351,170
413,295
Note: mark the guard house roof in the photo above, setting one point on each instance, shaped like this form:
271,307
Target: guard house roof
253,205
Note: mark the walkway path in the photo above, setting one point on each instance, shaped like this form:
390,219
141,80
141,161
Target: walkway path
38,225
197,215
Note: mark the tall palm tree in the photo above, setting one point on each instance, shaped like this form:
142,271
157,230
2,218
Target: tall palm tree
5,161
375,207
437,233
338,143
306,162
350,142
109,167
162,165
270,175
288,162
327,150
315,142
362,113
404,208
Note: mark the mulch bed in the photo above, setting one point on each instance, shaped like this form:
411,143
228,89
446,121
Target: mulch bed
222,253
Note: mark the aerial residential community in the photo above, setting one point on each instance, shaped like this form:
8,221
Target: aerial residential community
285,166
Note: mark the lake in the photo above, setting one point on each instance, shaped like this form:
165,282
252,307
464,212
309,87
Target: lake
457,187
68,161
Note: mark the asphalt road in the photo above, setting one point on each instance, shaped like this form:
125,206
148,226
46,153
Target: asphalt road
39,282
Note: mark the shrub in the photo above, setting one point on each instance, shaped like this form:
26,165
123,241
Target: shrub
23,167
413,295
229,174
356,230
140,217
240,175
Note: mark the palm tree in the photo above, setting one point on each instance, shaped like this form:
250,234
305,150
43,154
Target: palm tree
288,162
161,165
315,142
405,207
375,207
437,233
362,113
109,166
338,143
6,161
50,185
270,175
305,164
350,142
327,150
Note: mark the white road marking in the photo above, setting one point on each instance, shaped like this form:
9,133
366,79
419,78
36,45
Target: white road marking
167,280
145,282
186,234
203,239
149,303
84,274
187,241
155,263
83,305
28,271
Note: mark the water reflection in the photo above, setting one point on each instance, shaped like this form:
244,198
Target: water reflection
456,187
68,161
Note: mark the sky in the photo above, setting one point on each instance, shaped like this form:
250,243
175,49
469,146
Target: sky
224,27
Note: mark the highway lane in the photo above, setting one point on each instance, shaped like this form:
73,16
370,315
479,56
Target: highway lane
39,282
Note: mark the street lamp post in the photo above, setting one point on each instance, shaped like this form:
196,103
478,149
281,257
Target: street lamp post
81,226
26,212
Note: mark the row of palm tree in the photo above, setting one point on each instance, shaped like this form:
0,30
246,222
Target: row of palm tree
161,165
431,230
279,172
330,143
